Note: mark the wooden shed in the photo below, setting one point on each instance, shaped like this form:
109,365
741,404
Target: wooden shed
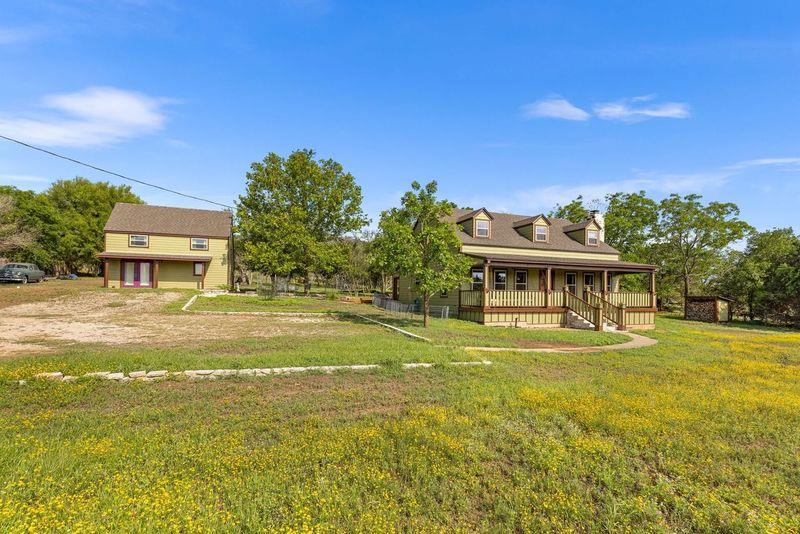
708,308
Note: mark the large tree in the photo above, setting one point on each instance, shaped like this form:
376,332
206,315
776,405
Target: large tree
691,237
67,220
416,241
294,214
83,207
13,234
754,277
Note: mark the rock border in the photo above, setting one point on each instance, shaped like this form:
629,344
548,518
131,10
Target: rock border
148,376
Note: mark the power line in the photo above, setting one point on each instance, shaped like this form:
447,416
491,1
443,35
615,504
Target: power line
89,165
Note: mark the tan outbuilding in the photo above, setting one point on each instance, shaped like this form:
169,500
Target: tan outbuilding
158,246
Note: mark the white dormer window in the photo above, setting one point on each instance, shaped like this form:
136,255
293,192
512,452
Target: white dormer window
541,233
592,238
481,228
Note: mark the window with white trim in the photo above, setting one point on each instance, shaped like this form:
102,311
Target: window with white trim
571,282
521,280
199,243
541,233
592,238
588,281
138,240
477,279
198,268
500,279
481,228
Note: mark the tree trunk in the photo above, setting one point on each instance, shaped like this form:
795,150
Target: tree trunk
307,284
426,306
685,292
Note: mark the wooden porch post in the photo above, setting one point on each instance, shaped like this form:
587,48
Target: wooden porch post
548,288
605,284
485,285
105,273
653,301
155,274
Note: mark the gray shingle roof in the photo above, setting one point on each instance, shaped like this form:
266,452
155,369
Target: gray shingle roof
505,235
141,218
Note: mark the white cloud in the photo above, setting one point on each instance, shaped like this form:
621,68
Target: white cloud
657,184
635,109
554,108
763,162
628,111
95,116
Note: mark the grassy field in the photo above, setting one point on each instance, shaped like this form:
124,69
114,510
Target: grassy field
456,333
11,294
449,332
228,303
696,433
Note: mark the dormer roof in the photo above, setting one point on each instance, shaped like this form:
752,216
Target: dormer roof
532,220
581,225
471,214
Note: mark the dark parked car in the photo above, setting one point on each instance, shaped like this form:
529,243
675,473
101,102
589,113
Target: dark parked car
21,272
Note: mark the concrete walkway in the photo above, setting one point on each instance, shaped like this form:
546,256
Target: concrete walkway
636,342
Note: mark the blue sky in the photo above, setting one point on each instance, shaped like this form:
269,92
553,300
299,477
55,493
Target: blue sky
510,105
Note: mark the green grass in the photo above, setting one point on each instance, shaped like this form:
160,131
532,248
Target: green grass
233,303
450,332
458,333
697,433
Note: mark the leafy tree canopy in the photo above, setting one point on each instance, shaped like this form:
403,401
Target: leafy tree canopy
415,241
295,212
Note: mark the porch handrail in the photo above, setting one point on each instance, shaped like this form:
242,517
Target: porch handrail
593,314
471,297
615,314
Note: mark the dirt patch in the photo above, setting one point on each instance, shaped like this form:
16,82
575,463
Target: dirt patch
120,318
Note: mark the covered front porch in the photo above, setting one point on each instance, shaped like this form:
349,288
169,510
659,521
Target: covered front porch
536,291
121,270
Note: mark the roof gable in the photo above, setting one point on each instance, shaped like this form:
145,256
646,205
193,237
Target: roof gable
532,220
471,215
145,219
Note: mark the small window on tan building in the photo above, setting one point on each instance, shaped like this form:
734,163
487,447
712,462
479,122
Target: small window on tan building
138,241
592,238
477,279
198,268
541,233
199,243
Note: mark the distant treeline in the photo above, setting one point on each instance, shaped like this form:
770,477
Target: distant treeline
60,229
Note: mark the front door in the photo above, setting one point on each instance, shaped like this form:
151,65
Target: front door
136,273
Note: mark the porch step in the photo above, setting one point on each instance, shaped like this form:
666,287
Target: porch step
576,321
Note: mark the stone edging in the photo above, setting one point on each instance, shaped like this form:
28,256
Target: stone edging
148,376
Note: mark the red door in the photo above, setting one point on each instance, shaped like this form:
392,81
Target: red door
136,273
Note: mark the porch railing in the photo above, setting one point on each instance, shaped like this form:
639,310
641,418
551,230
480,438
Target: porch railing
516,299
630,299
593,314
615,314
472,297
510,298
